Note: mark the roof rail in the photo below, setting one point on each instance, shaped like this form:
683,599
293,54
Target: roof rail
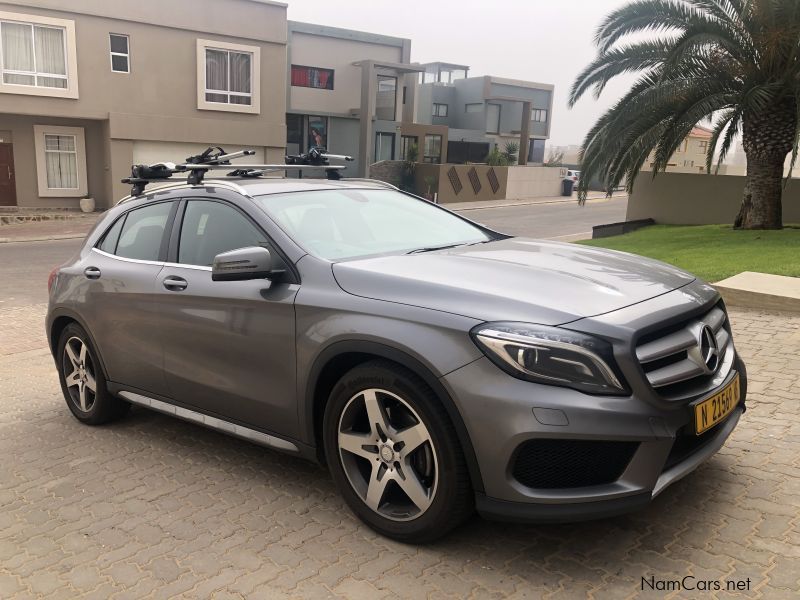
379,182
214,158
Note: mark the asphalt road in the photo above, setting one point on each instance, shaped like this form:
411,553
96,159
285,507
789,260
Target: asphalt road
24,266
558,220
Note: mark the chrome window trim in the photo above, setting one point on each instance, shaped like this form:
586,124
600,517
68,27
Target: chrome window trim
152,262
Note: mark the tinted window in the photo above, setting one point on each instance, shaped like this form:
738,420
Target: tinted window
210,228
142,232
336,224
109,243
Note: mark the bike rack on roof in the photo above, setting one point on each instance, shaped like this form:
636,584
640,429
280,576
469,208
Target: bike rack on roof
214,158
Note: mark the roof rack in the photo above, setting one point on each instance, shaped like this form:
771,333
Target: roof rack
214,158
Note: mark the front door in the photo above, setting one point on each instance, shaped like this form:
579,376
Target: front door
8,187
229,346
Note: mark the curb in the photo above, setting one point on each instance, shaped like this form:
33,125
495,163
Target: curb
761,291
758,300
523,203
43,238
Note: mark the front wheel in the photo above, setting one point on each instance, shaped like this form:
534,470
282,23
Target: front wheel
394,454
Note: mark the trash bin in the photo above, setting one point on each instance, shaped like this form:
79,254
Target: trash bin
566,187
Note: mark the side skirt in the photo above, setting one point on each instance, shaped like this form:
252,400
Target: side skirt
239,431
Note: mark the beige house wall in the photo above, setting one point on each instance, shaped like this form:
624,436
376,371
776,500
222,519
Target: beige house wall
690,157
158,100
694,199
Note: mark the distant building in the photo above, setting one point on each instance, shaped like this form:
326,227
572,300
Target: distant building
690,157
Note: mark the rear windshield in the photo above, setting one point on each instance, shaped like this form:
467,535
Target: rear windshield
347,223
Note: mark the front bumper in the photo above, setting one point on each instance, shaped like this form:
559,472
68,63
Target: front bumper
499,414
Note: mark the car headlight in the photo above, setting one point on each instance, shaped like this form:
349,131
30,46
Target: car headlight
550,355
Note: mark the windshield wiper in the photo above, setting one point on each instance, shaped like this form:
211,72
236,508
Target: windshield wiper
432,248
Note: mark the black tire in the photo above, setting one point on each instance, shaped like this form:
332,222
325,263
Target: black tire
92,407
452,498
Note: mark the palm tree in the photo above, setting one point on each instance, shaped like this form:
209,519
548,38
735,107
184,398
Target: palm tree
733,62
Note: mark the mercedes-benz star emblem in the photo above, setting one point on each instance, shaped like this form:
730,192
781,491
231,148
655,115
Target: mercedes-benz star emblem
709,350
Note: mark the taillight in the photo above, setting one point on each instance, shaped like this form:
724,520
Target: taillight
51,279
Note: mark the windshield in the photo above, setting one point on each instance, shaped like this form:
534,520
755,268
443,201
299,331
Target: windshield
349,223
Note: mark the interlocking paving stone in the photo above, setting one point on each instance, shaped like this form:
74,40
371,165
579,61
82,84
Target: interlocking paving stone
155,507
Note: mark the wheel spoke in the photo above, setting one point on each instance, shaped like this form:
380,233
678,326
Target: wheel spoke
412,437
90,382
377,486
413,487
378,424
82,354
82,396
73,358
355,442
73,379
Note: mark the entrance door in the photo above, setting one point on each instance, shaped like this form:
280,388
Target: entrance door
8,188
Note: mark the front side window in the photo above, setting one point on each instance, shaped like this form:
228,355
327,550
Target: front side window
433,149
120,53
312,77
34,55
143,232
210,228
341,224
61,161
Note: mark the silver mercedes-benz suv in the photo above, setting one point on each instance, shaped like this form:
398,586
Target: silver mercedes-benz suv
435,366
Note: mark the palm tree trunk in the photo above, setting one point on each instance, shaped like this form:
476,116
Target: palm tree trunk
767,137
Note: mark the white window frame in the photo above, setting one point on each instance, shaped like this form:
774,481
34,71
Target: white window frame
539,115
39,131
255,78
70,54
112,54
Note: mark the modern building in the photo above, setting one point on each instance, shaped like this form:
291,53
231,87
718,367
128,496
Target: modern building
480,113
87,88
690,157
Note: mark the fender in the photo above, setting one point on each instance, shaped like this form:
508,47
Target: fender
66,312
411,363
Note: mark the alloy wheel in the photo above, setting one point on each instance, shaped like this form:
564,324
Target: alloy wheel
79,374
388,454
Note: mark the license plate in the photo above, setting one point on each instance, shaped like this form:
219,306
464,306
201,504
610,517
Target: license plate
713,410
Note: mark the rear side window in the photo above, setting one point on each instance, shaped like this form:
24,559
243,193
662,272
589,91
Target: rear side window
143,231
210,228
109,243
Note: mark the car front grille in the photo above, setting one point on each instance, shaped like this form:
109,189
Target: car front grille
672,358
550,463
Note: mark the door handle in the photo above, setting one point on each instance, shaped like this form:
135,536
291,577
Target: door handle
92,273
175,284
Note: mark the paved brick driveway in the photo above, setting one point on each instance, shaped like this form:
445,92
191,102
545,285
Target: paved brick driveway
156,506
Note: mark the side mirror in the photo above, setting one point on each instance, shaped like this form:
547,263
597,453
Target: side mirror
253,262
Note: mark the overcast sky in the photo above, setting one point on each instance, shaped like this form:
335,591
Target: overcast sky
547,41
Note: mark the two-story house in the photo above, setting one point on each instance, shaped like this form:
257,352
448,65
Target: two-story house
88,88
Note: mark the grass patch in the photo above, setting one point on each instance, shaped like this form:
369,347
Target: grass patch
713,252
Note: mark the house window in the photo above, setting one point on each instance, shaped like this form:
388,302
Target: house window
688,163
228,76
120,52
60,160
384,146
539,115
433,149
37,56
703,145
492,118
406,142
386,98
473,107
312,77
439,110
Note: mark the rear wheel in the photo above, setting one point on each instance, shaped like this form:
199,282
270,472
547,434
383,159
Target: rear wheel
83,381
394,454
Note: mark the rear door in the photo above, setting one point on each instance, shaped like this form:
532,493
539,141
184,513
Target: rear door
121,297
229,346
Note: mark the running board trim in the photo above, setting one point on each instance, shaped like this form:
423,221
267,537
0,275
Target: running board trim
244,433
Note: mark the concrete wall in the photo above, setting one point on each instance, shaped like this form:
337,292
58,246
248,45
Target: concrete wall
533,182
694,199
337,54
